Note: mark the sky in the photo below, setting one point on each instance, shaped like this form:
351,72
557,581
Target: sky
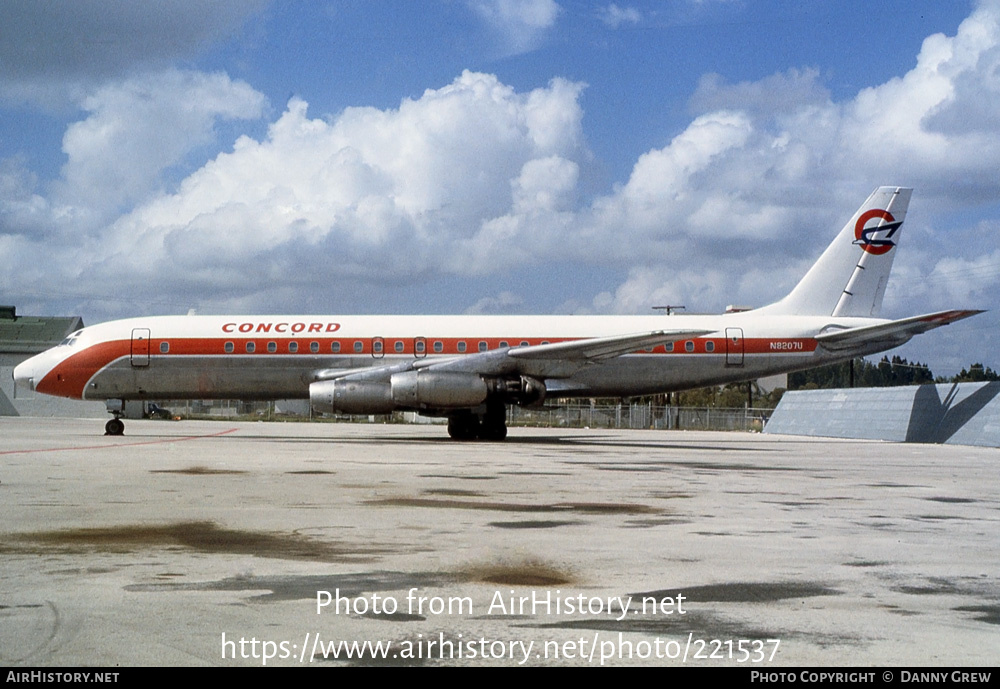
493,156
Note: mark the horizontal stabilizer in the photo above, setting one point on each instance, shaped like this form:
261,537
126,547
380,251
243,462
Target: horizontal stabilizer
892,332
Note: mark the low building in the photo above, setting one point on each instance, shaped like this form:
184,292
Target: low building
22,337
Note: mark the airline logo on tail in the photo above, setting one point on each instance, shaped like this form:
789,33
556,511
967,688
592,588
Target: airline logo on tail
866,237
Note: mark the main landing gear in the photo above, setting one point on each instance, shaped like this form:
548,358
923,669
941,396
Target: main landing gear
469,425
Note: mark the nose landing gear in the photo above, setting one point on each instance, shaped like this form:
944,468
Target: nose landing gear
115,426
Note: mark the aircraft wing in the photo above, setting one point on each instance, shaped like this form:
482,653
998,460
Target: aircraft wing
554,360
895,332
560,359
600,348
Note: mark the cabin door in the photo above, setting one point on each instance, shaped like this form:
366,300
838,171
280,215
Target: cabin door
734,346
140,347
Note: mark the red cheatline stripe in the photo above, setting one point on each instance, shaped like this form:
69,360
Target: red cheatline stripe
209,346
68,378
105,447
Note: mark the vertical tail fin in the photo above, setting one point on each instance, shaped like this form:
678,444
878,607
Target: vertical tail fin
849,279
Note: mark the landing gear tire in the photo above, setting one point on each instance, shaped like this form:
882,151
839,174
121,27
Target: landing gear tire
467,425
463,426
494,423
114,427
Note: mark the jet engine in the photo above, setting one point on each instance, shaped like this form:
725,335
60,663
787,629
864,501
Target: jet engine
430,390
407,390
438,389
351,397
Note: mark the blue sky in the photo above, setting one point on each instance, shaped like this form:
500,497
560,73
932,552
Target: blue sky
500,156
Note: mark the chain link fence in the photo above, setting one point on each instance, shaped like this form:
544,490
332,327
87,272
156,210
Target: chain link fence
640,415
571,414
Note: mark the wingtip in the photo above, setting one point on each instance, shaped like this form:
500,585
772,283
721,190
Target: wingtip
953,315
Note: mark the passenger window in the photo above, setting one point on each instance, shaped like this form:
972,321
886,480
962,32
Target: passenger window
230,347
272,347
359,346
461,347
398,346
314,347
709,346
335,347
439,347
251,347
689,346
483,346
420,347
164,347
293,347
524,343
503,344
669,347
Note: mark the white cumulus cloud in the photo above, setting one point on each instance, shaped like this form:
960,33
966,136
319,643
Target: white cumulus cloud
615,16
520,24
443,184
137,128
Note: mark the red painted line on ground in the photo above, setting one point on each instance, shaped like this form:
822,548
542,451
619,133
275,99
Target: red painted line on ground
105,447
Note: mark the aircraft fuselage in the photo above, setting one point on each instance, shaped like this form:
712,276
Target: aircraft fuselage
271,357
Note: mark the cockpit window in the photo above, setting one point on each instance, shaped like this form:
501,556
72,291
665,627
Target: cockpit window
70,339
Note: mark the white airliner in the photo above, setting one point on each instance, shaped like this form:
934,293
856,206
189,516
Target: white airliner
469,368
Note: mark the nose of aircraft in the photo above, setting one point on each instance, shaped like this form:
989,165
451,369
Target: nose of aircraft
24,375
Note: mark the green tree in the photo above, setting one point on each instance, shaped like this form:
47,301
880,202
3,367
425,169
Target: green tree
975,374
887,373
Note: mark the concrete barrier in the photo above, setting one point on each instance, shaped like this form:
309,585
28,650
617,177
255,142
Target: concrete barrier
953,413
